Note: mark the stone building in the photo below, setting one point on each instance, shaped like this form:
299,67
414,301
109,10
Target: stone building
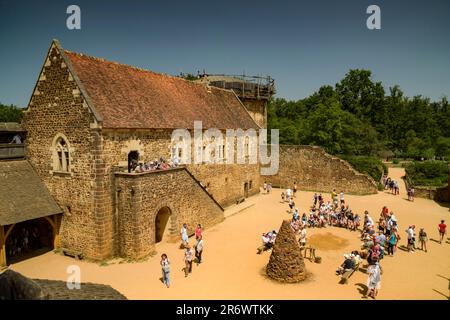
88,117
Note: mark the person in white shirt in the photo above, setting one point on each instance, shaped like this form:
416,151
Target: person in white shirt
411,238
188,257
302,239
17,139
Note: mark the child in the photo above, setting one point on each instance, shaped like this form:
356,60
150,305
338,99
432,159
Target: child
423,239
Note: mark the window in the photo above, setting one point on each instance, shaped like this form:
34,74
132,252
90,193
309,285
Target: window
62,156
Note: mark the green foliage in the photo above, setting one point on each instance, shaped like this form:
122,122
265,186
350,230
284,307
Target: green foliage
357,117
369,165
189,76
428,173
10,113
395,161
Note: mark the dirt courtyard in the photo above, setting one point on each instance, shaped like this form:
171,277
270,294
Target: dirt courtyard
232,270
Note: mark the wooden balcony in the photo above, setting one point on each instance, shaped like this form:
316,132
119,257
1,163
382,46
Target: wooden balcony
12,150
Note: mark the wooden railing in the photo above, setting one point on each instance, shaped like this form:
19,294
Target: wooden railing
12,150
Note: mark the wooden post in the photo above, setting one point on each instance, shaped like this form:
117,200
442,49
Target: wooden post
56,239
2,247
55,228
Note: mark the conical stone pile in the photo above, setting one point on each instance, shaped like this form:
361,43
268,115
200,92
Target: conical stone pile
286,262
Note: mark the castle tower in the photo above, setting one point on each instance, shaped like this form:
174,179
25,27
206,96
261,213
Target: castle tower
253,91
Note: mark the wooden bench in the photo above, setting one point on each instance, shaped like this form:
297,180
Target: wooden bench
240,200
72,253
347,274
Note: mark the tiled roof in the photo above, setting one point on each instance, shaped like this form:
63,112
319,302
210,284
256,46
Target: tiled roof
129,97
23,195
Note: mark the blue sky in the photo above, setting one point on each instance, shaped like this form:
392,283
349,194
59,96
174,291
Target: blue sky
302,44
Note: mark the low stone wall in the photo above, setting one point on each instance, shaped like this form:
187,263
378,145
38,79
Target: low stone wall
438,194
141,196
314,169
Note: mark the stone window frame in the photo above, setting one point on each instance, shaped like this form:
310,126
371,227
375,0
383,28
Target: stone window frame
61,155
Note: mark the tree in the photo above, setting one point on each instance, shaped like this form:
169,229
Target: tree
10,113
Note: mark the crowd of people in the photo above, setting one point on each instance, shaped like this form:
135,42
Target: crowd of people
379,239
391,184
189,253
23,240
157,164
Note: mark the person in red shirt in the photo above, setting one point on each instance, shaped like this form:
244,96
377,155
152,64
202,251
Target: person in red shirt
442,230
198,231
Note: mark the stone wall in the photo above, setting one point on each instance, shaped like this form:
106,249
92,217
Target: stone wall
57,108
314,169
224,181
258,110
141,196
438,194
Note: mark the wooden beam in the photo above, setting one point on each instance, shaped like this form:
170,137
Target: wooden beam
52,223
8,232
2,247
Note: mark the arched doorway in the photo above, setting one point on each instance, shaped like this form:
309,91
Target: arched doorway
133,159
162,223
28,239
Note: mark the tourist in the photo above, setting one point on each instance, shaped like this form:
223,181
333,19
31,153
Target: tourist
442,227
165,265
188,256
347,265
295,216
341,197
315,197
17,139
268,240
198,231
264,186
295,189
392,242
184,236
381,240
320,198
302,239
269,188
374,281
411,238
304,219
199,249
291,204
412,194
357,221
423,239
288,194
282,196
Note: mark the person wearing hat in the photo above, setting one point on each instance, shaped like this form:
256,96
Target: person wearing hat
347,265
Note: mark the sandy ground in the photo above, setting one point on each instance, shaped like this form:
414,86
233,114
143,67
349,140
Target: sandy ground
232,269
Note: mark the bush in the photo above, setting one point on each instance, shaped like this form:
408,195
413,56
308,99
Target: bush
395,161
428,173
369,165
